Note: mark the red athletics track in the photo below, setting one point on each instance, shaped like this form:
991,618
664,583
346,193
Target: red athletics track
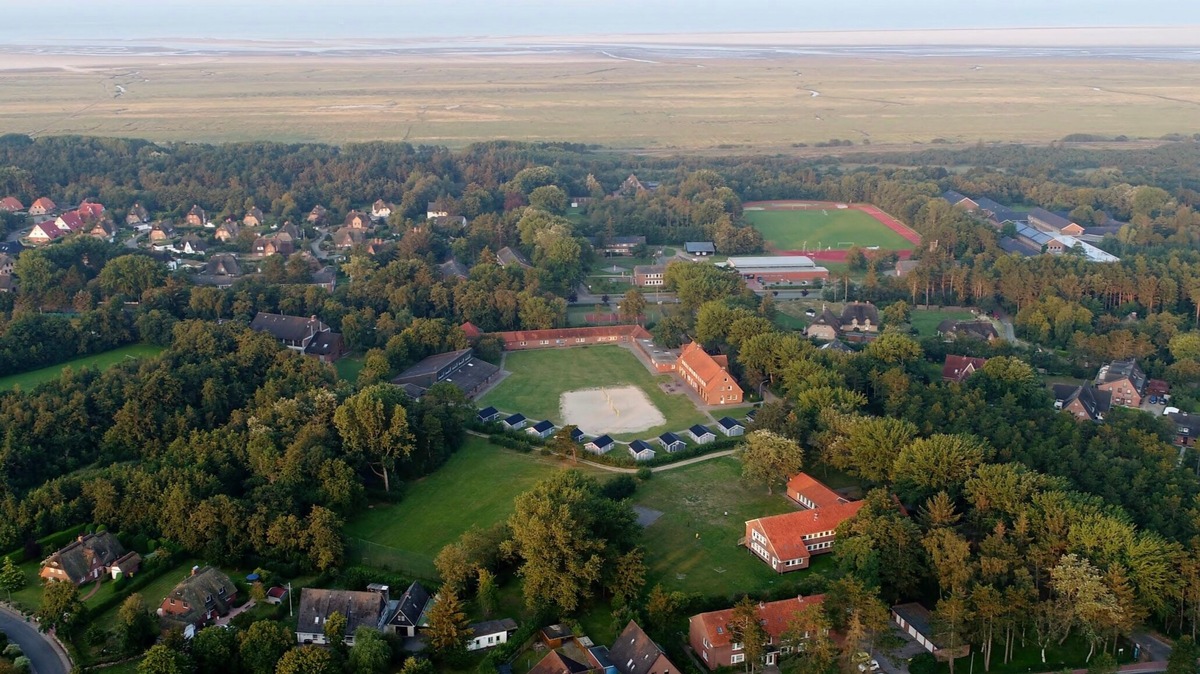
838,255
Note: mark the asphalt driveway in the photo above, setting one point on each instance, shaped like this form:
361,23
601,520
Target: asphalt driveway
42,654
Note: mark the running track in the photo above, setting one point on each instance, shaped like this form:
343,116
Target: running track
838,255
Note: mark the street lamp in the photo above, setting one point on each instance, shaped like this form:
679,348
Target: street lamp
760,385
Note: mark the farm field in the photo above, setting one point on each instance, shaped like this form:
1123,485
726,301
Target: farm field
100,361
693,546
660,103
540,377
476,487
787,230
925,321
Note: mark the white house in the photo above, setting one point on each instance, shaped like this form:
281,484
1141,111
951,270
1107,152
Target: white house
490,633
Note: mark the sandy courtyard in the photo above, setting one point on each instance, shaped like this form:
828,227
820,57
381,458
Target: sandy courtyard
618,409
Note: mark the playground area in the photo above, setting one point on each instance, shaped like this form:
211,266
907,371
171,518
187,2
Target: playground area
825,230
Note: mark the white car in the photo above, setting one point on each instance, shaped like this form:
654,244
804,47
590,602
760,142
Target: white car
869,666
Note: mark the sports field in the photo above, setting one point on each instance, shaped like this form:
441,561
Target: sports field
539,378
819,229
99,361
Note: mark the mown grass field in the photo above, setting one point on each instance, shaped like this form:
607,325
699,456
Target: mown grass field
925,321
540,377
99,361
661,104
476,487
821,229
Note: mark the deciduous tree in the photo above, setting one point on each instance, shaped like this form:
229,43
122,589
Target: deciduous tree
374,426
769,459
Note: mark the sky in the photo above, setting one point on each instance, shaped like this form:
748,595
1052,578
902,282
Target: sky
96,21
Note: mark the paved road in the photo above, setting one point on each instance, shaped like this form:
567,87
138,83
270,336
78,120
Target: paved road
43,654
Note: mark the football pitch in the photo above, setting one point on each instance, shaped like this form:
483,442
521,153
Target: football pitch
823,229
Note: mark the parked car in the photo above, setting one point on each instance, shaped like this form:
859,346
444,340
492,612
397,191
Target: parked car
869,666
1153,400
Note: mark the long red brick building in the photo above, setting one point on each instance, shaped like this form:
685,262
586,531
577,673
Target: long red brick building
709,376
711,639
788,542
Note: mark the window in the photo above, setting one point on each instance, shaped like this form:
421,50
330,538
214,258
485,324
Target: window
735,659
737,646
707,644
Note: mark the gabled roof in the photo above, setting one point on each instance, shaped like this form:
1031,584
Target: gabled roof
860,311
1048,218
699,247
514,419
634,652
493,627
452,268
639,446
814,490
487,412
729,423
11,204
706,367
958,368
1094,401
786,532
507,256
77,557
669,438
206,589
577,434
953,197
557,663
979,329
223,264
836,345
71,219
46,203
361,609
471,330
543,426
773,616
699,430
411,605
602,441
289,328
324,343
1122,369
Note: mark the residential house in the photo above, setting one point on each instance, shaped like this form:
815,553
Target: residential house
291,230
472,331
450,222
671,442
253,218
836,345
712,640
826,327
406,615
460,368
435,210
327,347
71,221
916,620
45,232
555,662
641,450
787,542
223,264
7,283
275,244
1053,223
43,206
227,231
202,597
860,317
452,268
1124,380
730,427
507,257
161,232
634,186
86,559
317,215
906,267
1187,428
708,376
192,244
7,262
699,248
137,215
514,422
621,245
958,368
701,435
1083,402
542,429
11,205
102,229
360,609
490,633
599,445
649,275
981,329
487,415
196,217
357,220
381,210
90,209
634,652
296,332
126,566
348,237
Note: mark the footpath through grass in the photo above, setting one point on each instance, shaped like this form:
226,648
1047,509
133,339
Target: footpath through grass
476,487
99,361
540,377
836,228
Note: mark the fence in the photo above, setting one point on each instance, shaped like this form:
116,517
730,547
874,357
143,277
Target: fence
405,562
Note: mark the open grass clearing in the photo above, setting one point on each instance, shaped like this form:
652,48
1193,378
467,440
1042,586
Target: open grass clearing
926,321
539,378
99,361
819,229
349,366
476,487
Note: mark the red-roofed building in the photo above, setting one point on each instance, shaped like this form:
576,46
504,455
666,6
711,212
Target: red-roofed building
70,221
471,331
708,375
43,206
787,542
45,232
958,368
11,204
710,638
91,209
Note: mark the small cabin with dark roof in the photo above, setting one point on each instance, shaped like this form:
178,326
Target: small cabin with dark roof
542,429
730,426
671,442
600,445
515,422
701,434
641,450
487,415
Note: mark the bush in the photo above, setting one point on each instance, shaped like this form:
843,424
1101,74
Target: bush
22,664
923,663
620,487
12,651
644,473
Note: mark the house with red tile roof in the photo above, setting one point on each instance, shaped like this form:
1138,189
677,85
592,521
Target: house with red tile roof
788,542
708,376
11,204
958,368
90,209
70,221
45,232
471,331
43,206
710,637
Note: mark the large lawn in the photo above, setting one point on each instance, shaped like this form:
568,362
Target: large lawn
694,547
820,229
476,487
540,377
99,361
926,320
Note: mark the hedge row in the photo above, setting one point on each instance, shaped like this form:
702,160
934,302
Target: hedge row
54,541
